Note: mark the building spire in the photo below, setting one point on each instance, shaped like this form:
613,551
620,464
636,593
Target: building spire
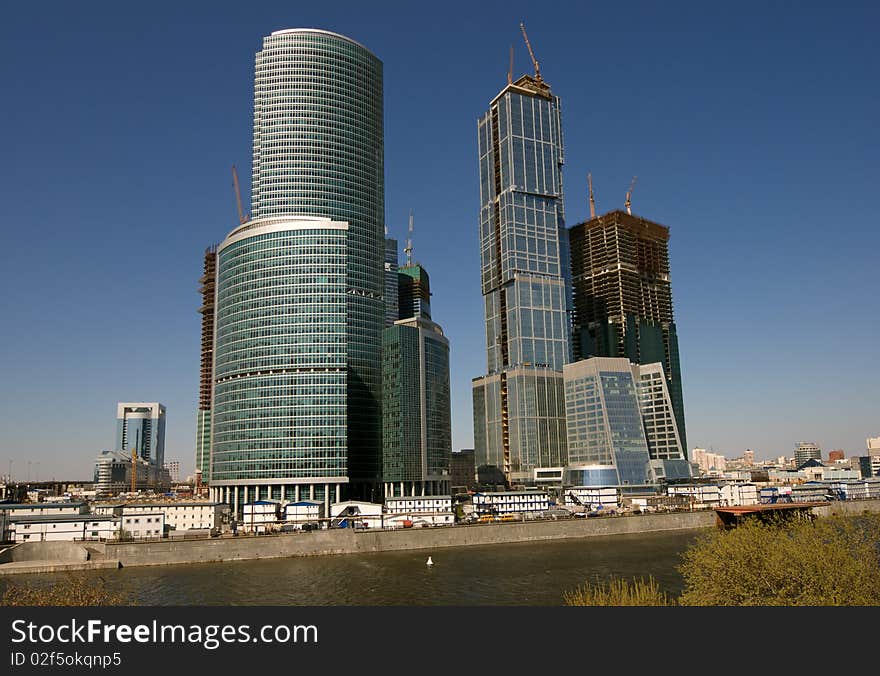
409,247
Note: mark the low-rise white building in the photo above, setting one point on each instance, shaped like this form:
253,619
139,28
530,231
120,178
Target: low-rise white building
180,515
432,510
705,496
593,497
738,494
60,527
303,512
511,502
261,516
142,525
356,514
43,508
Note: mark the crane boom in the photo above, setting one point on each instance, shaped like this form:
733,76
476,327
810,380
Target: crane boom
510,70
592,201
242,217
628,202
522,27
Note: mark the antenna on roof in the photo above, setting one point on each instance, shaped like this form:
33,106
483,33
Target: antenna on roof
408,248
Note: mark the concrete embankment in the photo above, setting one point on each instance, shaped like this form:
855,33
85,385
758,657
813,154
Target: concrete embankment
52,557
346,541
35,557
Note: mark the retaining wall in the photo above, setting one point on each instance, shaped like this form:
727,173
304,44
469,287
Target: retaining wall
347,541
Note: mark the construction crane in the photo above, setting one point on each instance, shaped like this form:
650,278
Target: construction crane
592,201
408,248
242,217
510,70
531,53
629,193
134,457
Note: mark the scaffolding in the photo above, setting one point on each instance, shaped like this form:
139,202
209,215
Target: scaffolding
208,284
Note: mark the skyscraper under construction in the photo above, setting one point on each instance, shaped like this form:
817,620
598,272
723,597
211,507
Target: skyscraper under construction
623,297
519,409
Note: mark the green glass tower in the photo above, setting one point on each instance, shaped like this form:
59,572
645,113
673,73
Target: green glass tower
296,409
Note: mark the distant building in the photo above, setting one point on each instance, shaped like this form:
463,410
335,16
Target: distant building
113,475
462,469
834,456
873,446
749,457
707,461
806,450
173,468
141,427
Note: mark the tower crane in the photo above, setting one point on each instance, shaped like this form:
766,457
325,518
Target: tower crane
629,193
134,457
531,53
510,70
408,248
592,201
242,217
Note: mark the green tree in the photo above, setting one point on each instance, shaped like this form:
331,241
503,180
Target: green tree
828,562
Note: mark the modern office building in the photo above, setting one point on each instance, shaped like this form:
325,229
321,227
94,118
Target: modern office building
296,409
462,470
623,296
620,425
417,429
207,288
519,415
416,405
806,450
140,427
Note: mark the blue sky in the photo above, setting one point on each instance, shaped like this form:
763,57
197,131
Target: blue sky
752,128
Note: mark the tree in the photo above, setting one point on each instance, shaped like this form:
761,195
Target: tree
833,561
827,562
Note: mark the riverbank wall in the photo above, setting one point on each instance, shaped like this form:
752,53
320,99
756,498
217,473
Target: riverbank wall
348,541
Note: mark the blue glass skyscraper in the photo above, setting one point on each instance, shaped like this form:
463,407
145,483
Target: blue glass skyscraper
519,411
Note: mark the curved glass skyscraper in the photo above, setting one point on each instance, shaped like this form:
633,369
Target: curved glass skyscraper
297,372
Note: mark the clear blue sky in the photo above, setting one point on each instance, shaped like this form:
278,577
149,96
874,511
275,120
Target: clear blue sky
752,128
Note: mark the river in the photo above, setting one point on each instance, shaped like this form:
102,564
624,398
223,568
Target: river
530,574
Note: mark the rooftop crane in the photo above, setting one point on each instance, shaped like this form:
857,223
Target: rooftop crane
629,193
510,70
242,217
592,201
409,247
531,53
134,457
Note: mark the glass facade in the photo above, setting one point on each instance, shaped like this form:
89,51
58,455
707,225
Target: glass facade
523,269
319,151
519,413
280,366
417,431
604,420
203,442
